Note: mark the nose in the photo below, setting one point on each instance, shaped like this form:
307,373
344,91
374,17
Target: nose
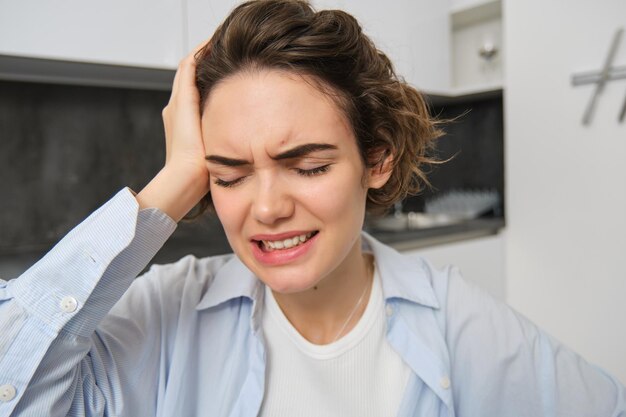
272,201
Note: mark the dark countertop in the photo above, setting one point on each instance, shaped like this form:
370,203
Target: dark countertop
214,242
432,236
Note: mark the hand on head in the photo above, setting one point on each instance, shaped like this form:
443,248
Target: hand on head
184,179
181,118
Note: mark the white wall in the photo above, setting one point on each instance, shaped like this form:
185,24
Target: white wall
566,184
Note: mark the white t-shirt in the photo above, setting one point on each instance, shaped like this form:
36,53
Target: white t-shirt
358,375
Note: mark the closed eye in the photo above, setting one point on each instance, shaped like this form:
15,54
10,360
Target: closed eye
304,172
313,171
226,184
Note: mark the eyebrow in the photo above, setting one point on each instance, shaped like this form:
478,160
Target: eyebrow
297,152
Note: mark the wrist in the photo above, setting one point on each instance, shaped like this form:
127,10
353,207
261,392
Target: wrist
174,192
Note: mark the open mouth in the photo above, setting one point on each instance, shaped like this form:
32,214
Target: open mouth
284,244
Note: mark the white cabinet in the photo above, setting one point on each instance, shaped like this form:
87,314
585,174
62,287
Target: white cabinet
472,70
420,36
477,46
480,261
135,33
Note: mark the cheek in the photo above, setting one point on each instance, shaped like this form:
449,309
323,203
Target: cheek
228,208
340,195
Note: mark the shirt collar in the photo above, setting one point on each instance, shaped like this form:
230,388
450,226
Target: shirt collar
402,276
234,279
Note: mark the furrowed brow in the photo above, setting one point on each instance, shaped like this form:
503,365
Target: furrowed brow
297,152
223,160
303,150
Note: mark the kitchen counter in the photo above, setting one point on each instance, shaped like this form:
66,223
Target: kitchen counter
432,236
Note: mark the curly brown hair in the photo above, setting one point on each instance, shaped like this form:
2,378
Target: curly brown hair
388,116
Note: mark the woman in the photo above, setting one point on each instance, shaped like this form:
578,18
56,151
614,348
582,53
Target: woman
294,124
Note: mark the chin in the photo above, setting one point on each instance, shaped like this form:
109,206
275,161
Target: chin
287,284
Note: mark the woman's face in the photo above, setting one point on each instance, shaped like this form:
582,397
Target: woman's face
286,178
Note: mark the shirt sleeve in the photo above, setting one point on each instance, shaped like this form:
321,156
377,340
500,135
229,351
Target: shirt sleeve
504,365
49,351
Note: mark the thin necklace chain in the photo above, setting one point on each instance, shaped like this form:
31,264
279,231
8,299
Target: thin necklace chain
356,307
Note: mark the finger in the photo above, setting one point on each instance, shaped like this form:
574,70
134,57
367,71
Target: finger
176,81
189,59
186,82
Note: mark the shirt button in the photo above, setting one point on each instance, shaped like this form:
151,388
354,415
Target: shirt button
389,310
69,304
7,393
445,382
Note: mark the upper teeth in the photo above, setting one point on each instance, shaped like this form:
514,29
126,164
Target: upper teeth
286,243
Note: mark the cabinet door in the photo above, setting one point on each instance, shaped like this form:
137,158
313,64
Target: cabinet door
136,33
415,34
480,261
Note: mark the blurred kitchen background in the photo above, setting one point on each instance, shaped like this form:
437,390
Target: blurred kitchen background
531,205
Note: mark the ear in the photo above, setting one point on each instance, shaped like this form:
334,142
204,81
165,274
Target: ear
379,174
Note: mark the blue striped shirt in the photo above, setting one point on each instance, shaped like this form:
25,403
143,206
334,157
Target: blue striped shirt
79,336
